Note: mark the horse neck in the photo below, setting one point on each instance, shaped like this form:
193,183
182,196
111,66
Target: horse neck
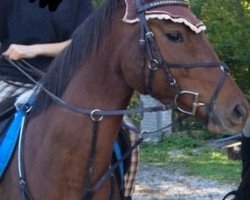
98,84
100,77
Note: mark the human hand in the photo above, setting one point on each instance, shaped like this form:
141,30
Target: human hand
16,51
52,4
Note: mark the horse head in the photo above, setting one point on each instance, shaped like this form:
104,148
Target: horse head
172,60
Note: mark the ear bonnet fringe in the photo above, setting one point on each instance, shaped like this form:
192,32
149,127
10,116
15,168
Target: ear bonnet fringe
178,11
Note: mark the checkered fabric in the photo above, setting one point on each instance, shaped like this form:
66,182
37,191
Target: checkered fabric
10,88
129,179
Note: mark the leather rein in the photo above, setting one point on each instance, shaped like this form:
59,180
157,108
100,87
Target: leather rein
155,62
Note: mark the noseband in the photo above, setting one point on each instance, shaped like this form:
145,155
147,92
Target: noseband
155,61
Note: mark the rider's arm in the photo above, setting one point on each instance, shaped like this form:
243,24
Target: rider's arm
16,51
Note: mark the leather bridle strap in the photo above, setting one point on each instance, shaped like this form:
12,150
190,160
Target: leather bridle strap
194,65
210,106
115,166
89,189
91,159
154,58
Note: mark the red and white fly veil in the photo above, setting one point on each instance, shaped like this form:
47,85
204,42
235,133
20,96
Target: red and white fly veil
178,11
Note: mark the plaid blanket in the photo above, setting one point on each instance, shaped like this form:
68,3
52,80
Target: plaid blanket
129,179
10,88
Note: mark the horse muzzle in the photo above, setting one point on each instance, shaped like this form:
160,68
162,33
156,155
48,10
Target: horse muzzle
233,119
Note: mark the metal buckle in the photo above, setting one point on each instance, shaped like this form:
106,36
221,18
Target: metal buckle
224,67
141,42
95,116
145,136
150,34
172,82
153,65
195,104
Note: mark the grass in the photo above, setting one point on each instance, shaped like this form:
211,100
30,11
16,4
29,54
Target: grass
193,157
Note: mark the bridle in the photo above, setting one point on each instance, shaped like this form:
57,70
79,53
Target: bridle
155,62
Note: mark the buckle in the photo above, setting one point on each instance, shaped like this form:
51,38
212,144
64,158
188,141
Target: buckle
150,34
153,65
195,105
95,116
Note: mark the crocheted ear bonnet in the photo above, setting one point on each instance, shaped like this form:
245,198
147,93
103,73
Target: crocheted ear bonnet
178,11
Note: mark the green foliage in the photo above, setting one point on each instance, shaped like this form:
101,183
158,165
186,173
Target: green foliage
193,157
228,28
97,3
134,103
180,142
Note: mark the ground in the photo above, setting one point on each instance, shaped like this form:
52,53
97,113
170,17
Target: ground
158,183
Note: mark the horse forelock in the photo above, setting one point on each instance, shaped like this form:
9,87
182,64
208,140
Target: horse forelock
85,40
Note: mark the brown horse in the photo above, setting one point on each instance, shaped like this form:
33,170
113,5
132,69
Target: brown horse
67,149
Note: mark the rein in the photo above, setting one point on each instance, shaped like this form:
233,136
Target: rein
88,111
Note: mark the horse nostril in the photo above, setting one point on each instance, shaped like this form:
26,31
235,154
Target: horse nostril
239,114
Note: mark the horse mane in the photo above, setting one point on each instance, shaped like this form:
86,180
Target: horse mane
85,40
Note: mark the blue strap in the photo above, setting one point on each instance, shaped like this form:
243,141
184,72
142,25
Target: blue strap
7,146
118,155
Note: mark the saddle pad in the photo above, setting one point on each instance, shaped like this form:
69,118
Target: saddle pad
118,154
8,143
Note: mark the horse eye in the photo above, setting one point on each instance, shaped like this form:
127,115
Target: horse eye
174,37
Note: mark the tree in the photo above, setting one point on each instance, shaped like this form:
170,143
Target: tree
228,28
97,2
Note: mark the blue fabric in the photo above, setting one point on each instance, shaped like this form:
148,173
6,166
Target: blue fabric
118,154
7,146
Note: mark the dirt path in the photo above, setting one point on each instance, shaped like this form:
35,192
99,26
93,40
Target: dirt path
157,183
